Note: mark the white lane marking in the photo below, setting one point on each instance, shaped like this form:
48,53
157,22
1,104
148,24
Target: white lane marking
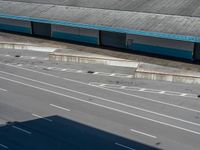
113,74
143,89
183,94
124,146
23,130
149,135
7,55
33,57
79,82
122,87
111,101
4,146
107,107
145,98
162,92
134,88
3,90
38,116
59,107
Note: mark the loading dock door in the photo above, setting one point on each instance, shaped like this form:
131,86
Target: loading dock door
41,29
113,39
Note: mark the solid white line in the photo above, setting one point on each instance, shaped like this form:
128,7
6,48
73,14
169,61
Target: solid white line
4,146
145,98
143,89
127,147
3,90
162,92
119,103
59,107
38,116
149,135
183,94
114,109
25,131
111,101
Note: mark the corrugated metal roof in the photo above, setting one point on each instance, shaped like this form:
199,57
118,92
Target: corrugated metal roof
175,7
149,24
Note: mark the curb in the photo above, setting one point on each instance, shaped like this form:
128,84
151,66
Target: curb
92,59
143,70
25,46
155,72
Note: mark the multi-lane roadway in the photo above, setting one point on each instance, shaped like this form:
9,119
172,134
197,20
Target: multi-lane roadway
48,105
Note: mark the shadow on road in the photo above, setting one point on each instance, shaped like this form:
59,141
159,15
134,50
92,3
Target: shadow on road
58,133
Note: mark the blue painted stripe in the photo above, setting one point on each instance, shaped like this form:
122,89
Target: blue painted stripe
104,28
162,51
74,37
15,28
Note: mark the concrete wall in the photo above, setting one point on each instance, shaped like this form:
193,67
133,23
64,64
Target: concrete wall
167,47
15,25
75,34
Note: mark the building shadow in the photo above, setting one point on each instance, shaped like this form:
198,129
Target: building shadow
58,133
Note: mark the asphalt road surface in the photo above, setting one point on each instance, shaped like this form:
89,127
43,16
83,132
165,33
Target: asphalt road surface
50,105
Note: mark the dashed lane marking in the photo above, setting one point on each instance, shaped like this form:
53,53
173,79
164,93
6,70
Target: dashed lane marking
104,106
133,88
149,135
38,116
124,146
59,107
4,146
117,75
23,130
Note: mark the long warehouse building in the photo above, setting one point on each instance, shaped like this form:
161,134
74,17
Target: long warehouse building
164,27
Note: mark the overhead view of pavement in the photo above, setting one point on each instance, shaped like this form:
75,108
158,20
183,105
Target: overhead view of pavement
99,74
63,105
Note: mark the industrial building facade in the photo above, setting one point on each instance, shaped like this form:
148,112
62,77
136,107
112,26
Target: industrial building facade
167,44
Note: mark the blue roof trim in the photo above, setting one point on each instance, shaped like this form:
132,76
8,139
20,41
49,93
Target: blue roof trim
105,28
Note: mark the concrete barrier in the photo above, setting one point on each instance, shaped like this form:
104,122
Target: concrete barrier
25,46
156,72
91,58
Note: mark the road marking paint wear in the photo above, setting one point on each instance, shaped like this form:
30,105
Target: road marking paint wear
59,107
38,116
149,135
107,107
124,146
23,130
4,146
111,101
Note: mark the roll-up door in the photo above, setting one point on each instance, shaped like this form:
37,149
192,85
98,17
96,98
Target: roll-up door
197,51
41,29
113,39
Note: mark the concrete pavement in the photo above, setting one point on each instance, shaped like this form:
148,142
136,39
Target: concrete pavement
124,119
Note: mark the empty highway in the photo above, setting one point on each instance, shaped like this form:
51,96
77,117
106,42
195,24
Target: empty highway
47,105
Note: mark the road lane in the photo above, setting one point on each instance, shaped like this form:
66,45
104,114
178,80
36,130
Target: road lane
140,117
93,110
120,103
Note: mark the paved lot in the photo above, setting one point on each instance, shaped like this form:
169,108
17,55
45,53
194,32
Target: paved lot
48,108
